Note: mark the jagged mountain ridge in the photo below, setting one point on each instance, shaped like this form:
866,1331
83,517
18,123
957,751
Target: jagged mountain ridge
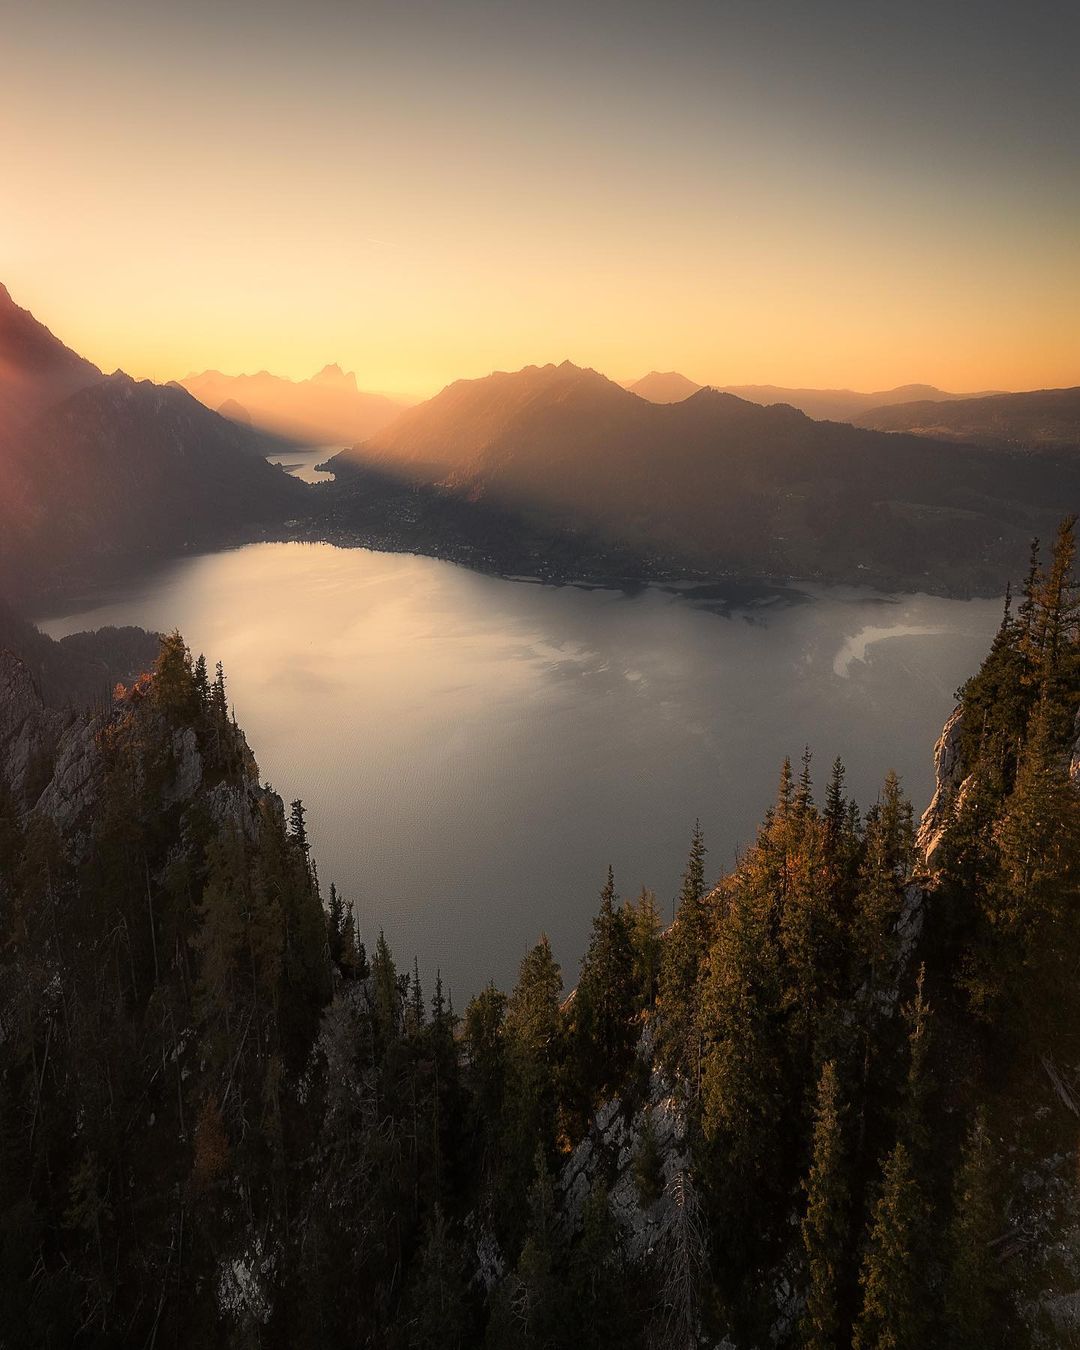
326,409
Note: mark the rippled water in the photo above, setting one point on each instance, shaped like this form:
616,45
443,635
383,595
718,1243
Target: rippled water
474,751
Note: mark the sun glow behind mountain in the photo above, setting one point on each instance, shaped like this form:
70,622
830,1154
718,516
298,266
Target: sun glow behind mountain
425,192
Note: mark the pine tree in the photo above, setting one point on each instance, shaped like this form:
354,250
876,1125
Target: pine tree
298,827
414,1013
825,1223
202,682
605,1001
893,1313
645,929
385,989
335,925
532,1035
681,964
975,1311
437,1307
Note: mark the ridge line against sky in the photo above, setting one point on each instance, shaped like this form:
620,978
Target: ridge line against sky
839,195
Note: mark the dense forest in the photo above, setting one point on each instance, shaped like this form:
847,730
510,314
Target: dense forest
836,1103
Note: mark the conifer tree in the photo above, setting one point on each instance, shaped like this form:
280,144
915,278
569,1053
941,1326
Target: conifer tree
534,1053
825,1223
385,989
414,1015
975,1312
645,929
437,1312
605,1001
681,965
335,925
893,1313
202,682
298,827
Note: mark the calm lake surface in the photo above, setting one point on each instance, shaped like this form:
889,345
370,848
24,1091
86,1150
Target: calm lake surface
474,751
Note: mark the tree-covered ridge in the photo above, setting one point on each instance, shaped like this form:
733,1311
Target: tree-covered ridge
834,1104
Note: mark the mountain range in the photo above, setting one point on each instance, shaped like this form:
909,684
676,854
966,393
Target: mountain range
720,484
828,405
100,471
552,471
326,409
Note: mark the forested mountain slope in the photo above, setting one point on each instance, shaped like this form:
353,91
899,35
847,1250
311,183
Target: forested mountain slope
834,1105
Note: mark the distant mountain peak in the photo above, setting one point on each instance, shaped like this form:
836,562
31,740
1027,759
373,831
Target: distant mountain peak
664,386
334,377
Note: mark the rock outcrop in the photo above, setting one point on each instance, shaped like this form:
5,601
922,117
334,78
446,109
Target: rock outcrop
29,732
948,783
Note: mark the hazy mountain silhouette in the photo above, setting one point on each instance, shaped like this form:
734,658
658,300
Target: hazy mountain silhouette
663,387
1044,419
36,369
832,405
324,410
719,483
835,405
97,469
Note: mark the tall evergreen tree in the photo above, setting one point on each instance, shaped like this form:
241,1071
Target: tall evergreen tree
894,1313
825,1225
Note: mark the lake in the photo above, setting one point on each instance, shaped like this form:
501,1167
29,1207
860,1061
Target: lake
474,751
301,462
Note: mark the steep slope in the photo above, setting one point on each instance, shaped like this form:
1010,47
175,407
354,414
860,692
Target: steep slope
1044,419
664,387
325,409
125,469
839,1093
718,483
36,369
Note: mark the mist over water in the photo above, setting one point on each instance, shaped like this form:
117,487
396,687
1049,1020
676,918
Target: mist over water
474,751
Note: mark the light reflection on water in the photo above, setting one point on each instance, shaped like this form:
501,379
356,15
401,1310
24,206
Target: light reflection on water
474,751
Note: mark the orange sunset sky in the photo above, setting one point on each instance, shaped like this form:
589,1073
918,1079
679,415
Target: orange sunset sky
858,195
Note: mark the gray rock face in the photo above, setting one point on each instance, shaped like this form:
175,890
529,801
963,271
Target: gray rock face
609,1149
71,792
53,762
29,732
948,781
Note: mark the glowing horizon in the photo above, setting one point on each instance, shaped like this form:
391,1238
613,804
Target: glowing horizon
422,193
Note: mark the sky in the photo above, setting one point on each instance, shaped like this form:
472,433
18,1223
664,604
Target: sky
818,194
